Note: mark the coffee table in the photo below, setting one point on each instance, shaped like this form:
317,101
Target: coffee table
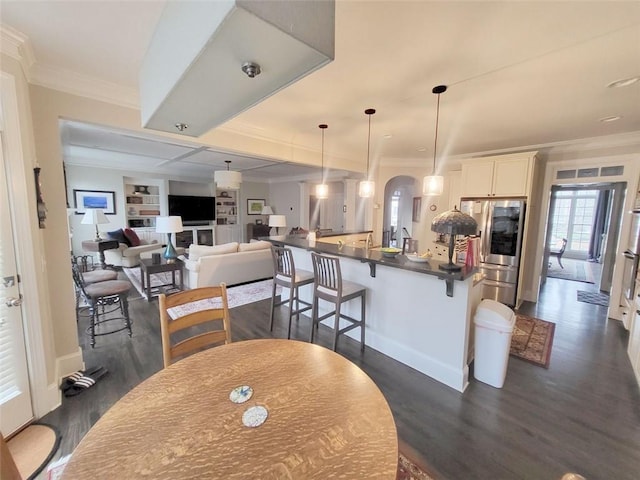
148,267
326,419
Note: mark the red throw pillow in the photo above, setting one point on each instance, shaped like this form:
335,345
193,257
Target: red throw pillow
132,236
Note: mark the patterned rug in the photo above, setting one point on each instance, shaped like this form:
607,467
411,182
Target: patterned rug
594,298
532,340
157,280
576,270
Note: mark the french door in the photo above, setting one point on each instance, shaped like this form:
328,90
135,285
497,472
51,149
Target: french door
15,398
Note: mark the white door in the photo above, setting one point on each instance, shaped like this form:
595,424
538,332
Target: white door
15,397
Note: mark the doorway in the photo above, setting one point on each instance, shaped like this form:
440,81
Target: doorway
398,210
582,233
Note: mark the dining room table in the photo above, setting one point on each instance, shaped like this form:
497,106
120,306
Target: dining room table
269,409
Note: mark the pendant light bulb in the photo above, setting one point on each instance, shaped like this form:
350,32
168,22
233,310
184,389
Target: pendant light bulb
322,190
434,184
367,187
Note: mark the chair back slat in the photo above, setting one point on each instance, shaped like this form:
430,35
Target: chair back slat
206,316
283,264
326,271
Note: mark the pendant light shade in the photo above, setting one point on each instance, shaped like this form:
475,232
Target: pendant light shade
434,184
367,187
322,189
227,179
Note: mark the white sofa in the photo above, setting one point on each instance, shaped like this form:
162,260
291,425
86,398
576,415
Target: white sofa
231,263
126,256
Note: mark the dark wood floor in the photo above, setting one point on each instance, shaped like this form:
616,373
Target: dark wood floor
581,415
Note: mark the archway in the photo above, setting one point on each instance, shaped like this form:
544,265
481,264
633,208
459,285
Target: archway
398,209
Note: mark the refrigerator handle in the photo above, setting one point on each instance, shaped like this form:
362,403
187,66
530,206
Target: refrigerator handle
486,241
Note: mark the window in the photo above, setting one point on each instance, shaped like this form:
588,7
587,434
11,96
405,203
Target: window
573,218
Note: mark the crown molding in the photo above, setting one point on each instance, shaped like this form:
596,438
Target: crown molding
17,45
84,86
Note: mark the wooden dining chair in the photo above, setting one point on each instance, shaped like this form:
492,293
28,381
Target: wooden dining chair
187,310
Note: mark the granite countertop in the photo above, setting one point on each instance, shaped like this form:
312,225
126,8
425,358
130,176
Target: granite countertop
373,256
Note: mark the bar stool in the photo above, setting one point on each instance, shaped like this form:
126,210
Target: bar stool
99,295
286,275
89,277
329,286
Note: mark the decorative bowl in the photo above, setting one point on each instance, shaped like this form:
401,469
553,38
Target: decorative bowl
417,258
390,252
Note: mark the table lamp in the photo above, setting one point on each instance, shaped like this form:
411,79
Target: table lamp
95,216
277,221
453,223
169,225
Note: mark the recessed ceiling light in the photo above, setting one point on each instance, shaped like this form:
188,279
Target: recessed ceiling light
612,118
625,82
388,135
422,149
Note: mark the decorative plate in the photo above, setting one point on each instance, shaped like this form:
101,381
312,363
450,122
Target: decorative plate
254,416
417,258
241,394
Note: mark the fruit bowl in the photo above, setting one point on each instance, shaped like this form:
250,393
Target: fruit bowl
390,252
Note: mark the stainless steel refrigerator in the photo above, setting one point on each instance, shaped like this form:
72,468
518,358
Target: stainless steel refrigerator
500,228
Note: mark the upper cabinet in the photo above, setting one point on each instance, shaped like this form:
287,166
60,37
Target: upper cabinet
501,176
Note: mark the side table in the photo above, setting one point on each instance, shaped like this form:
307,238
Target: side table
147,267
100,247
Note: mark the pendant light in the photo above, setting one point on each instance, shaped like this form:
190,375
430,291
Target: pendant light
322,190
367,187
433,184
227,179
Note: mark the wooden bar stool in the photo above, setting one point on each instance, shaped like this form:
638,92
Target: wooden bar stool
329,286
102,294
286,275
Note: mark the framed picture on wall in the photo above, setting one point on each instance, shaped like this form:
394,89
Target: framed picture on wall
255,205
417,206
103,199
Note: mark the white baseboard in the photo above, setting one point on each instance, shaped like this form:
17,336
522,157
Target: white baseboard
50,397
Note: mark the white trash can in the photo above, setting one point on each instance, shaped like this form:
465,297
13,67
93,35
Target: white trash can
494,326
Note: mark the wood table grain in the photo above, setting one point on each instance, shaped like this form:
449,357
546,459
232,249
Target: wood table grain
327,419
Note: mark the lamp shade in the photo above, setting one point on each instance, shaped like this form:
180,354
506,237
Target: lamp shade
366,189
322,190
227,179
454,222
169,224
94,216
432,185
266,210
277,221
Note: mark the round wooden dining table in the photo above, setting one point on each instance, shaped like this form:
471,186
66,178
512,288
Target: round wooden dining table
326,419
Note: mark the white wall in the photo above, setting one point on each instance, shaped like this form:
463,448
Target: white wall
285,200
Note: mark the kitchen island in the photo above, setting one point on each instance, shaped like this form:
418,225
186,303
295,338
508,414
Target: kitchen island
416,313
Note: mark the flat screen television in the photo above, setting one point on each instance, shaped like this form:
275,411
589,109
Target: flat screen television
193,209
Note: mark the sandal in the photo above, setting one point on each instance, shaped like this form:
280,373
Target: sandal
85,382
71,379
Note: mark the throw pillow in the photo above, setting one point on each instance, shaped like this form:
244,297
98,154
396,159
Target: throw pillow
119,236
197,251
132,236
259,245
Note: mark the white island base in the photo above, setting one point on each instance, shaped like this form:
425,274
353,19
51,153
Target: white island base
409,317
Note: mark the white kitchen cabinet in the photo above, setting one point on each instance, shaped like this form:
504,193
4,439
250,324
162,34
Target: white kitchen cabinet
454,189
502,176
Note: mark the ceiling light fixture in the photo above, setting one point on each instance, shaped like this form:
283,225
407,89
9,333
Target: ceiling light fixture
367,187
227,179
612,118
625,82
433,184
322,190
251,69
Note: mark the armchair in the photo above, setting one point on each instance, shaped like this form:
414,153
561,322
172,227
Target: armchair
126,256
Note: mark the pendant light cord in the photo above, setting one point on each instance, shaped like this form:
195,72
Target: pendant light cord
368,146
322,127
435,141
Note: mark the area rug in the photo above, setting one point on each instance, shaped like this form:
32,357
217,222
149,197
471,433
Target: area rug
532,340
236,296
409,470
576,270
33,448
594,298
157,280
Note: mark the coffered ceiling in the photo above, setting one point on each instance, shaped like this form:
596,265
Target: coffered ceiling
520,75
